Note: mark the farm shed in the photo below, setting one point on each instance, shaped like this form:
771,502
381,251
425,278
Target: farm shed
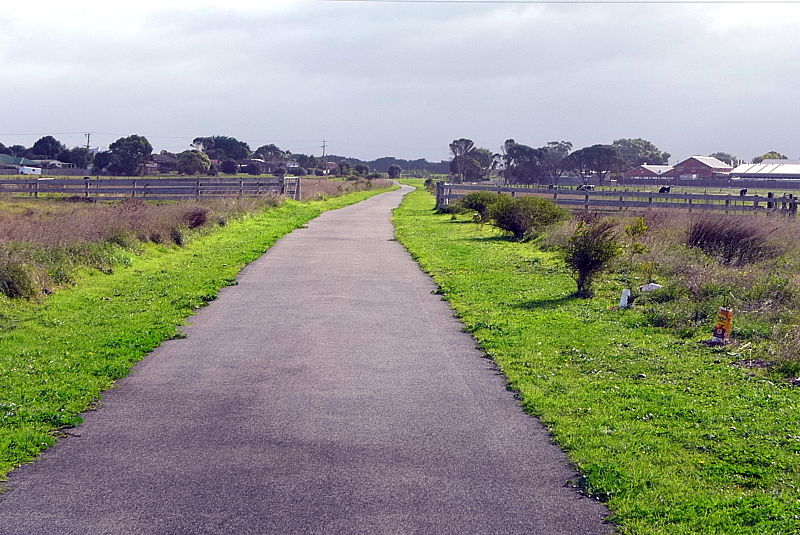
700,167
786,169
648,171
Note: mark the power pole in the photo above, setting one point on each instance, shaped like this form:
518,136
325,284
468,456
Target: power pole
324,160
88,137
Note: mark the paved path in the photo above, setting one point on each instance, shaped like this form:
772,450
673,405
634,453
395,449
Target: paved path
329,392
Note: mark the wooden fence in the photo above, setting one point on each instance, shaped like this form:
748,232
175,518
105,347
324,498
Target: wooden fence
630,200
156,189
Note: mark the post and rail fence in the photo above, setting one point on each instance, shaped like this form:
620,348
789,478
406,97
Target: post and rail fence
630,200
153,189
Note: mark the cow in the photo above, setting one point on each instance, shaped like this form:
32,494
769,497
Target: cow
585,187
742,192
664,189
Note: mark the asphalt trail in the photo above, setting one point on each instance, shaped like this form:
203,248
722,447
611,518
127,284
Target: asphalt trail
328,392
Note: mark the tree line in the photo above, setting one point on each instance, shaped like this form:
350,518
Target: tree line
517,163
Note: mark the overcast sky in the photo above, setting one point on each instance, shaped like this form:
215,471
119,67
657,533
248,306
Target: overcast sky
404,79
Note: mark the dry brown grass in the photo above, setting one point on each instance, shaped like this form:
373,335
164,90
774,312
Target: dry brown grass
320,188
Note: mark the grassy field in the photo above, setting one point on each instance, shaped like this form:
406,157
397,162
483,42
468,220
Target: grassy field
672,436
58,355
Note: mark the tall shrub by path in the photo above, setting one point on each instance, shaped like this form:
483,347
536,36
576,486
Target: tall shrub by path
479,201
589,251
524,215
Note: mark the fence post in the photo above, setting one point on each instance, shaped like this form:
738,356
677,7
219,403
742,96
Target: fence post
197,192
86,188
133,189
621,202
36,189
690,205
241,187
439,194
727,205
586,202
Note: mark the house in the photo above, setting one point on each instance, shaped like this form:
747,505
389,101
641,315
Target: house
768,169
648,171
22,166
699,168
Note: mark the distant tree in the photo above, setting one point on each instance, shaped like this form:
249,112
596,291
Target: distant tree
253,169
309,162
80,156
729,159
343,169
47,147
771,155
131,154
272,152
18,151
552,160
466,168
4,149
523,164
193,162
299,171
395,171
222,147
460,149
102,161
361,169
596,161
229,167
280,172
635,152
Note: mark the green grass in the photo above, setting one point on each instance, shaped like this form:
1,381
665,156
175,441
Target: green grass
57,356
667,432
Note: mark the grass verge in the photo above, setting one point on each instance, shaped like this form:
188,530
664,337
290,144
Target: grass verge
57,356
672,436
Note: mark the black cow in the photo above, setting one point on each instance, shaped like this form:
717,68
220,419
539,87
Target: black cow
585,187
742,192
664,189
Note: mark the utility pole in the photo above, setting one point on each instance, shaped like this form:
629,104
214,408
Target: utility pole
324,160
88,137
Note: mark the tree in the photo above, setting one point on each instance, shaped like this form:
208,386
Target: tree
635,152
252,169
552,160
4,149
131,154
102,161
229,167
309,162
193,162
361,169
460,148
272,153
771,155
729,159
523,164
222,147
47,147
596,161
394,171
17,151
80,156
466,168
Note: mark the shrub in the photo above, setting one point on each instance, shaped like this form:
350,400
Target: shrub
373,176
733,240
17,279
479,201
253,169
589,251
523,215
229,167
196,217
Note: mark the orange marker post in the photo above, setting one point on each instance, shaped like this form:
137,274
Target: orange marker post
722,329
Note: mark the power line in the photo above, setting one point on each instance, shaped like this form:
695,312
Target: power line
555,2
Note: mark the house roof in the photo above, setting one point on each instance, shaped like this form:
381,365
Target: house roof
14,160
709,161
768,169
657,169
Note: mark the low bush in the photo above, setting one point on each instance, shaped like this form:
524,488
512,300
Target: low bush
589,251
479,201
18,279
524,215
196,217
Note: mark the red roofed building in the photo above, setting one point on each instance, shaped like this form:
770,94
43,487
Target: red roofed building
700,167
